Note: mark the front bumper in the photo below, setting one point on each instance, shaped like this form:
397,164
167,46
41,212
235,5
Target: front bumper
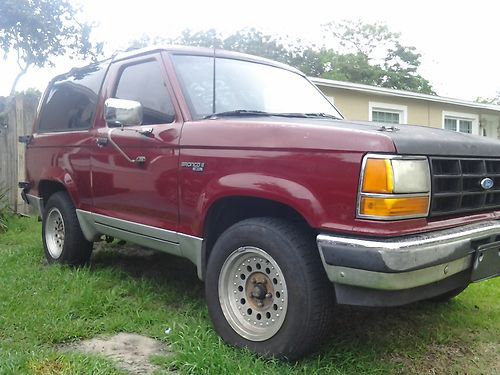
411,267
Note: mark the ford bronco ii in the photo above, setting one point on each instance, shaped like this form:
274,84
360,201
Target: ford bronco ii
242,166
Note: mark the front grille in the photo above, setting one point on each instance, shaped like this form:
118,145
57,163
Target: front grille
456,185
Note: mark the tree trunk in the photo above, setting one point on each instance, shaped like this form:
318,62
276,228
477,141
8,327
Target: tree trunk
19,75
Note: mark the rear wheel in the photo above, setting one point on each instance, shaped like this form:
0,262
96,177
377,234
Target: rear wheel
63,240
267,290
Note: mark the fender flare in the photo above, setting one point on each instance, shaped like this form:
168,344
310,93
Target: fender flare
257,185
62,177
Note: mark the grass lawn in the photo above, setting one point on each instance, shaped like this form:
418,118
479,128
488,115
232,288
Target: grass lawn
124,291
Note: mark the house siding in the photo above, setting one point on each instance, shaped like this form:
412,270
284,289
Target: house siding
354,105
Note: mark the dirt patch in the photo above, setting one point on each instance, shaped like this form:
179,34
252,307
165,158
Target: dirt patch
130,351
453,358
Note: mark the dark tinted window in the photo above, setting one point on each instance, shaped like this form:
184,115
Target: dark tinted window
144,83
72,99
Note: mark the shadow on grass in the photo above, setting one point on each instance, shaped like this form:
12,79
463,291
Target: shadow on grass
374,334
163,270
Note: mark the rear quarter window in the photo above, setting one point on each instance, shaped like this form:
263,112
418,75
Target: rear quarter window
71,102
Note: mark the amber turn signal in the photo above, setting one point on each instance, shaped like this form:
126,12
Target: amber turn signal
379,177
394,187
394,207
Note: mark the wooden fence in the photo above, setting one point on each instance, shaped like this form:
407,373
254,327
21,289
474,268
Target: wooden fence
17,120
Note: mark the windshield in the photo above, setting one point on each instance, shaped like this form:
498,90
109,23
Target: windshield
245,87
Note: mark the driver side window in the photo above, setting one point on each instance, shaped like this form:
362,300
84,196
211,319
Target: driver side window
144,83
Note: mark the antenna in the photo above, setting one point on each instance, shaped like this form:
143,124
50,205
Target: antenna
213,84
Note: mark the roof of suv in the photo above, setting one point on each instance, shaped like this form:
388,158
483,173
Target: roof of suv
184,50
201,51
176,49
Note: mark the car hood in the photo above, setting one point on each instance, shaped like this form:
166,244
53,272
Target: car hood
424,140
335,135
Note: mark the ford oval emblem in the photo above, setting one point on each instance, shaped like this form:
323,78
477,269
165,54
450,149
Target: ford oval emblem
487,183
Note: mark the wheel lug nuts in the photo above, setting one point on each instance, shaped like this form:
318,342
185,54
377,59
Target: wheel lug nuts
269,295
260,304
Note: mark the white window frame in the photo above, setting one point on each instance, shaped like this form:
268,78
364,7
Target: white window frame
402,110
463,116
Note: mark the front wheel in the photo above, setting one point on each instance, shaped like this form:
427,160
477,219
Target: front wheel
267,290
63,240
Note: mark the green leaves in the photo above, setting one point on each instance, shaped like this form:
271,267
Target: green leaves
39,30
494,101
378,52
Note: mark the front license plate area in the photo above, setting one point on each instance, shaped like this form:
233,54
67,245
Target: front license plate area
487,262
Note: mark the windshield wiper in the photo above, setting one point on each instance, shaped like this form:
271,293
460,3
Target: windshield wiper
322,115
238,113
305,115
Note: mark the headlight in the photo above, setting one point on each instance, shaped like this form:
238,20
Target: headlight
394,187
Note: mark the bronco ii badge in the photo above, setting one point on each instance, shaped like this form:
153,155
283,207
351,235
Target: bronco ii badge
194,165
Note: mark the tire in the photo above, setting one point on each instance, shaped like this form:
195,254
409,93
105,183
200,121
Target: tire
267,290
445,297
63,240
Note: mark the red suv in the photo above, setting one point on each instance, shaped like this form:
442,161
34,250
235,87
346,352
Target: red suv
242,166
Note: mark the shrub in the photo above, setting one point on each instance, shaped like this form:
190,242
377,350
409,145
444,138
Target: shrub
4,208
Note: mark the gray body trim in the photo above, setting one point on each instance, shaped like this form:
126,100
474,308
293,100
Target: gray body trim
36,202
94,225
404,262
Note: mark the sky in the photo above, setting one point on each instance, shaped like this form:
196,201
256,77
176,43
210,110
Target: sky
458,40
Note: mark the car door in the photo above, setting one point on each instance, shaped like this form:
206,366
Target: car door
140,198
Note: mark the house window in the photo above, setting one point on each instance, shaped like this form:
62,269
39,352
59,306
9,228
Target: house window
386,116
458,125
461,122
388,113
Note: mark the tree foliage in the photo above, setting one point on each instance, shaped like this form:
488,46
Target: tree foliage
36,31
353,51
378,52
252,41
494,101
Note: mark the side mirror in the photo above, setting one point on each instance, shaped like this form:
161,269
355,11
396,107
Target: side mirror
122,112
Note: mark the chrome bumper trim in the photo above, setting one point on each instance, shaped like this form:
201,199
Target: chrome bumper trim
397,281
405,262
